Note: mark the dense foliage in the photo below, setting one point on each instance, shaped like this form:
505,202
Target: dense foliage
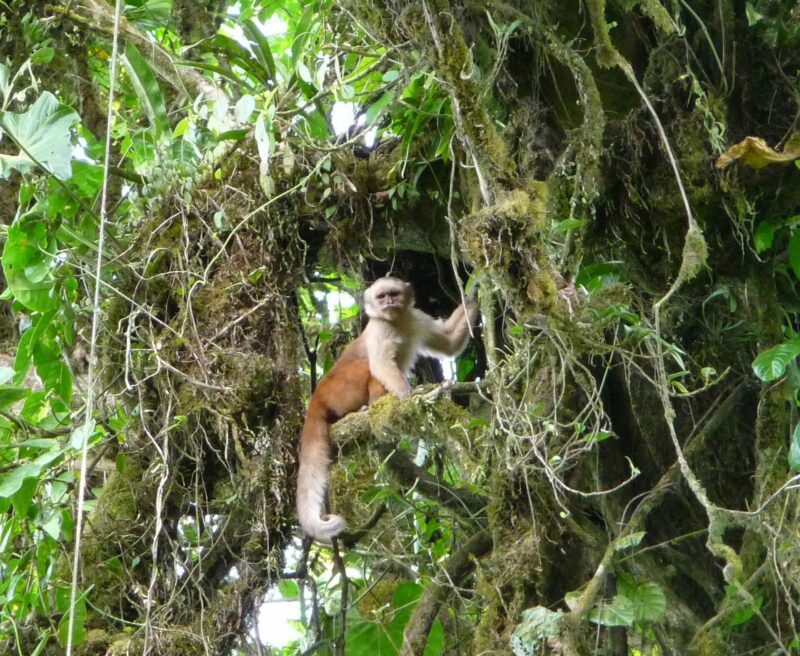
193,194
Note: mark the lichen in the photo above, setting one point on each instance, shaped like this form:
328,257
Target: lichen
695,255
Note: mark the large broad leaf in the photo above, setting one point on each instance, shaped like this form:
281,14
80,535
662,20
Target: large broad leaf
649,602
367,638
770,365
620,612
12,481
27,259
146,87
43,137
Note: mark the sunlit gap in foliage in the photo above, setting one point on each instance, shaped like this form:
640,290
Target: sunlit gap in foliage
336,301
194,539
279,617
273,26
343,117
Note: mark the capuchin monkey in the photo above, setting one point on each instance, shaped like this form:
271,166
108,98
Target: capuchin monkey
377,362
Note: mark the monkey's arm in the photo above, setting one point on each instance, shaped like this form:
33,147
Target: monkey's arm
382,344
447,337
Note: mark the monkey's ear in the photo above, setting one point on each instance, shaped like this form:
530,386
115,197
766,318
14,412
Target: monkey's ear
409,292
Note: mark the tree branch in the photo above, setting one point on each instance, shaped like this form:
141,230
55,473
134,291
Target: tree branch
455,571
462,501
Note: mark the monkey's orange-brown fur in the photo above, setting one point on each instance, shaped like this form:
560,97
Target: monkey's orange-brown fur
376,362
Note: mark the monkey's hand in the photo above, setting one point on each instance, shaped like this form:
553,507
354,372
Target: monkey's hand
403,392
471,308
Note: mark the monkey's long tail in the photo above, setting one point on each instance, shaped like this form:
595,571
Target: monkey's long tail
312,479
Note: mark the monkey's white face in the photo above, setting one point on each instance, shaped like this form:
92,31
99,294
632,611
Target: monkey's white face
388,298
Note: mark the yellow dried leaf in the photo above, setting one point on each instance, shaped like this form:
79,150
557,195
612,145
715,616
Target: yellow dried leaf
755,152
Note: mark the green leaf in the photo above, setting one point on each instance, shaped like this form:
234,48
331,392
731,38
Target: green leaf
51,525
745,613
794,450
648,599
304,73
222,72
11,482
78,630
464,367
43,56
261,49
30,338
36,408
764,235
597,436
368,638
147,88
595,276
770,365
56,376
794,253
568,224
23,498
4,77
47,443
244,108
233,135
620,612
88,178
150,15
753,17
374,110
241,57
10,395
81,435
391,75
288,589
27,252
302,33
43,137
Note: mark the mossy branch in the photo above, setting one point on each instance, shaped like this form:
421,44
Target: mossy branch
382,421
408,474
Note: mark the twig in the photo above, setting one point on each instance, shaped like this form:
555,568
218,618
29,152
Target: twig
350,539
338,562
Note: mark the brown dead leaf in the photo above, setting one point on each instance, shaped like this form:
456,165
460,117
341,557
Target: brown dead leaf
755,152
